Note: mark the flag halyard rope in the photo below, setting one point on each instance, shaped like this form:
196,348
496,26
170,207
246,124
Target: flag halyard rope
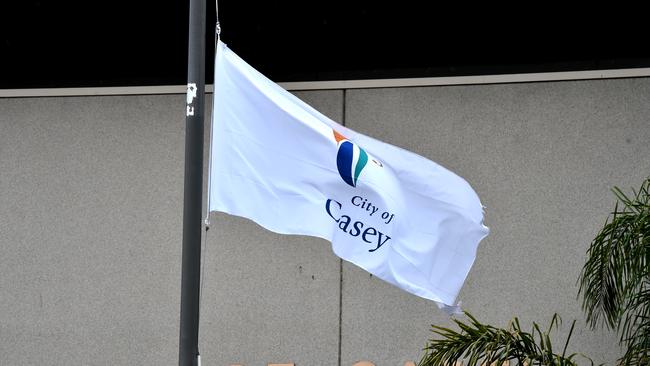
207,214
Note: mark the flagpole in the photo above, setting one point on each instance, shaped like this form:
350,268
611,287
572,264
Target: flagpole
188,354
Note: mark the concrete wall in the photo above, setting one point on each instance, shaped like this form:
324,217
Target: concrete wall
91,214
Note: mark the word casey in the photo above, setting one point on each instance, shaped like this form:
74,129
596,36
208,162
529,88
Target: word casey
356,228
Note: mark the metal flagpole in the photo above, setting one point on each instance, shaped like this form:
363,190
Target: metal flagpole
188,354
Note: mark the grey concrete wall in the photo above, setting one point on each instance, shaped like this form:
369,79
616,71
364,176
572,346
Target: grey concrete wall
91,213
90,216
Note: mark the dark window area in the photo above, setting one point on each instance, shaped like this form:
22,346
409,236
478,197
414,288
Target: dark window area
123,43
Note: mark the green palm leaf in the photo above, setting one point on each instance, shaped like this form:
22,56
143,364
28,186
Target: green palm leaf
481,344
614,281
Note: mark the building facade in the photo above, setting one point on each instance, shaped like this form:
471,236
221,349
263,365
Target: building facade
91,225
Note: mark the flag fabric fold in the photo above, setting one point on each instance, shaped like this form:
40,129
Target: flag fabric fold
281,163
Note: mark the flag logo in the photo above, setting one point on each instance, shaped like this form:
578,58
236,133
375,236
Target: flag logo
350,159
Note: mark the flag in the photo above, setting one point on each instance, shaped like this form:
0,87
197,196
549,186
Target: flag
279,162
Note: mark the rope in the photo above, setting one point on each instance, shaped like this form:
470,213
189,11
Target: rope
203,260
217,31
218,25
204,249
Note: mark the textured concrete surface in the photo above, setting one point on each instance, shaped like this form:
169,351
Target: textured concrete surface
542,158
90,228
91,215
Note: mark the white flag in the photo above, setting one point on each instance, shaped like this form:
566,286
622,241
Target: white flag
279,162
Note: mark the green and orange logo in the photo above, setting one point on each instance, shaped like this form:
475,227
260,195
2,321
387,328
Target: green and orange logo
350,159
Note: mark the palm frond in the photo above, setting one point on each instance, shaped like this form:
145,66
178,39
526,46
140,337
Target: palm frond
617,259
614,282
481,344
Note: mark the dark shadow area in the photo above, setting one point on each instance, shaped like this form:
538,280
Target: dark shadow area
123,43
